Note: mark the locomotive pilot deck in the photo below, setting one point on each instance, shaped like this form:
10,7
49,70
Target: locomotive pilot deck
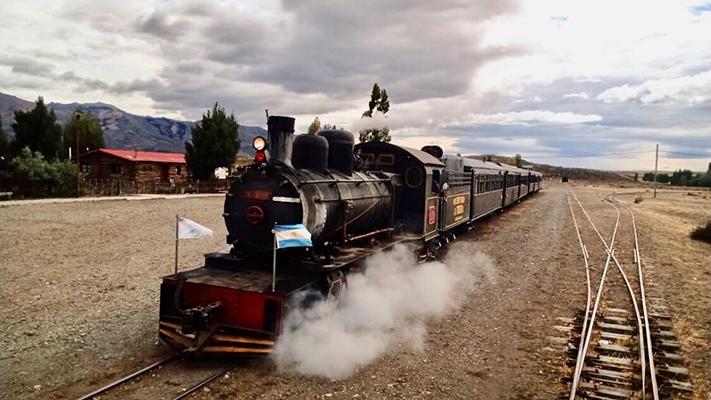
228,306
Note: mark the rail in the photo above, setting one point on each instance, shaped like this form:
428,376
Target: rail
636,309
646,356
582,352
648,334
128,377
579,360
151,367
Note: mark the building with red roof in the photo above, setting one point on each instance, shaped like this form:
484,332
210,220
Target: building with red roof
134,165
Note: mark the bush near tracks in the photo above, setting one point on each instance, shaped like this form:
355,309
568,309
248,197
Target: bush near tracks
702,233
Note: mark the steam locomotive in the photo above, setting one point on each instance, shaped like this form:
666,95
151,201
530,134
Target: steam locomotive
354,200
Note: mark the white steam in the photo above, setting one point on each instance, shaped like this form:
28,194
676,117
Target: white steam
377,121
387,303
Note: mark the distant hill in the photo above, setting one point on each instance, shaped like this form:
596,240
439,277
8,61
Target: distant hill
124,130
579,174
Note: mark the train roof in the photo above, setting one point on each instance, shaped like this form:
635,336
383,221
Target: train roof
488,165
425,158
479,164
419,155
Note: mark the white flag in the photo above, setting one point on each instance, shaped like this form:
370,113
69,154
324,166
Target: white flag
188,229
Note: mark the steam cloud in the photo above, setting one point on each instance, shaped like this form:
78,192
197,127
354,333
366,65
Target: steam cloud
387,303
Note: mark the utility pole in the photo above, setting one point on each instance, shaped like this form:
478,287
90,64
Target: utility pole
656,164
77,116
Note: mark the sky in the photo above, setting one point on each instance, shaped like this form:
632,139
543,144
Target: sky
560,82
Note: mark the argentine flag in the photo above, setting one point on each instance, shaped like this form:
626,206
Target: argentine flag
292,236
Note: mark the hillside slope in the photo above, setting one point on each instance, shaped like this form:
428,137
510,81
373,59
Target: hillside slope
124,130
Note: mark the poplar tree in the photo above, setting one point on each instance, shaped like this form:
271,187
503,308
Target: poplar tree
315,126
378,102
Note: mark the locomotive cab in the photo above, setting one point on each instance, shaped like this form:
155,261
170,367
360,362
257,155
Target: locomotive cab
420,213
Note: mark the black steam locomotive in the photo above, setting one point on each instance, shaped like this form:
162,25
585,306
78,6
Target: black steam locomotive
354,200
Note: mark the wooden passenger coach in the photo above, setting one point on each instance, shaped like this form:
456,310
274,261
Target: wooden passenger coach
445,191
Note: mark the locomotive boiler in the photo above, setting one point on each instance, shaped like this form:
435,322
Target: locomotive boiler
308,180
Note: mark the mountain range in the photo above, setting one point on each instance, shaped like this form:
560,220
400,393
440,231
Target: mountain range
123,130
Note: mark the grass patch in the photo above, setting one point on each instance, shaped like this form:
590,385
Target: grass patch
702,233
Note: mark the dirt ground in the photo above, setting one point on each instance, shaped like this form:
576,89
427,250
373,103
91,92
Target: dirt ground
80,303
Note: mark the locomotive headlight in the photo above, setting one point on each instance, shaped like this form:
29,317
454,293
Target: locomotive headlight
259,143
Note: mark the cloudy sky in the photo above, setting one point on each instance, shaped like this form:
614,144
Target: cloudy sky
542,78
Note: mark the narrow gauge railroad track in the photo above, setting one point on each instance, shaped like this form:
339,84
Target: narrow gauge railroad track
611,361
668,376
632,354
138,373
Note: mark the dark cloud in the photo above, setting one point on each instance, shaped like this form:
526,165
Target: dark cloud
158,24
27,66
318,51
417,50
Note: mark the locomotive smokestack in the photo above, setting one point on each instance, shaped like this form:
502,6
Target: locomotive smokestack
281,137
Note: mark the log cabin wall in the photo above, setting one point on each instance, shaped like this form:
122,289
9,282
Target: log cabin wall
98,165
162,172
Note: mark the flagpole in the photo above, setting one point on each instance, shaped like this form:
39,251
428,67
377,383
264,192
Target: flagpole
274,260
177,219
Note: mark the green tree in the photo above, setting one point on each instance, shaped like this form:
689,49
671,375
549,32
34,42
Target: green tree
38,129
315,126
215,143
636,176
5,167
706,179
378,102
91,136
4,145
663,178
519,161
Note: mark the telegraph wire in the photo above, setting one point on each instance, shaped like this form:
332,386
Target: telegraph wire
592,155
685,154
618,154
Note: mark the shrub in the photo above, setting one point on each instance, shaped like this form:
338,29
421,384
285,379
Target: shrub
702,233
33,176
